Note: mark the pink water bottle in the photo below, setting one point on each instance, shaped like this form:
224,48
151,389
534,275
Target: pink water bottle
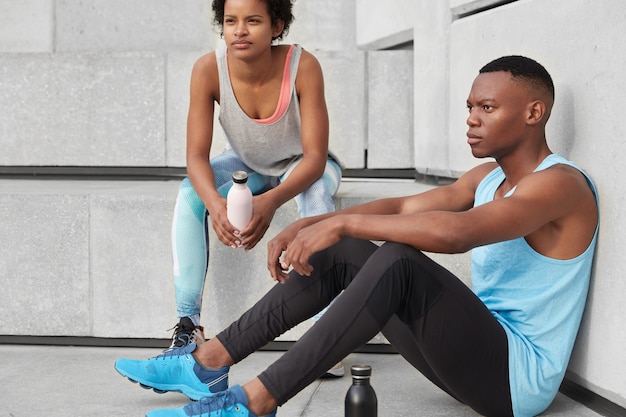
239,201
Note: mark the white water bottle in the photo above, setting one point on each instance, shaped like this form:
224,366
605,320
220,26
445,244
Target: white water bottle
239,201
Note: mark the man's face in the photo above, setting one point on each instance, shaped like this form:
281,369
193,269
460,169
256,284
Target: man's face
498,108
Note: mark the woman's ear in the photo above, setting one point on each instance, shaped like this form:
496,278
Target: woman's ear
278,29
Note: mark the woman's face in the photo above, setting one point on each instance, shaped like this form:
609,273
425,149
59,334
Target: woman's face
248,25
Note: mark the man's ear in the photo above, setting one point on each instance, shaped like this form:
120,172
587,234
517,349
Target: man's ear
536,112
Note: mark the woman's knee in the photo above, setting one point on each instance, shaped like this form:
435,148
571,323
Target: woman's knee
185,183
187,197
318,199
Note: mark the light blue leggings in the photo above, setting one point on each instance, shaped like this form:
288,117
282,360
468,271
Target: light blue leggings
190,246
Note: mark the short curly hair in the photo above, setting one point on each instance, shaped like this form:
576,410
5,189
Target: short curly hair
523,68
278,10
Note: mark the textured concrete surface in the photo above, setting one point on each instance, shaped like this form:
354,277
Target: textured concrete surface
88,109
66,381
390,137
92,258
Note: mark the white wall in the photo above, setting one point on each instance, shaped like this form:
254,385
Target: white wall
583,45
382,26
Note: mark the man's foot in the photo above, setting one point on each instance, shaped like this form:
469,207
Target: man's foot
175,370
230,403
186,333
336,371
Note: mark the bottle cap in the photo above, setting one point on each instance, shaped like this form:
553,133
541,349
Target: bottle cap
240,177
361,371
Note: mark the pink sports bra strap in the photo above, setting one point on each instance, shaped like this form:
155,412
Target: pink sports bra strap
285,92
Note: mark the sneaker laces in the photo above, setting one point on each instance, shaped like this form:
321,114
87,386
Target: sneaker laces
224,400
181,334
185,333
176,351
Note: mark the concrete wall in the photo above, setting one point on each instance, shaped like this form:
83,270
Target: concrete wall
92,258
105,83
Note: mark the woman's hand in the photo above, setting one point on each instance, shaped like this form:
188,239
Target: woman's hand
225,231
263,210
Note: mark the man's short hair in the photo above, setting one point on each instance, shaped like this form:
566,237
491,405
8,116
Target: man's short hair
522,68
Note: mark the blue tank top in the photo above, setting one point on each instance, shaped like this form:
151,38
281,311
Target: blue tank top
538,300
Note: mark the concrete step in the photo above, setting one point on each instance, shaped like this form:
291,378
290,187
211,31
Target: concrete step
92,258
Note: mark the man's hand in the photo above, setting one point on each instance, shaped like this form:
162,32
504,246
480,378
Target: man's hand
275,249
297,246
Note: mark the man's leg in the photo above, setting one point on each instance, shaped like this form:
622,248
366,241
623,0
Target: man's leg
466,357
395,280
198,371
301,297
378,283
458,343
315,200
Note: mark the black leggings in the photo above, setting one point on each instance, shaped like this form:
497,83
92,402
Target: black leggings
434,320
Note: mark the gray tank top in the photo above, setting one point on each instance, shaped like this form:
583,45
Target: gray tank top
269,149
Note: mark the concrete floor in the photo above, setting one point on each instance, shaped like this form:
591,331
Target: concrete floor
67,381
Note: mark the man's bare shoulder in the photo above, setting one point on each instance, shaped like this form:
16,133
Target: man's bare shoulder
459,195
559,178
474,176
562,196
561,188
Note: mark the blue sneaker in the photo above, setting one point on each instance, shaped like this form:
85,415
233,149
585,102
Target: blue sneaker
175,370
230,403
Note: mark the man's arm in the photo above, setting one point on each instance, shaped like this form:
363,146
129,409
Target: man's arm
554,209
322,231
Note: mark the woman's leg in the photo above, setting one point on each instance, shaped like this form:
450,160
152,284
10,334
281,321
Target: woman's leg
189,251
319,198
190,246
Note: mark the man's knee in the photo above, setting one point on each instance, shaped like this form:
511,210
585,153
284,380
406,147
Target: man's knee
395,250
